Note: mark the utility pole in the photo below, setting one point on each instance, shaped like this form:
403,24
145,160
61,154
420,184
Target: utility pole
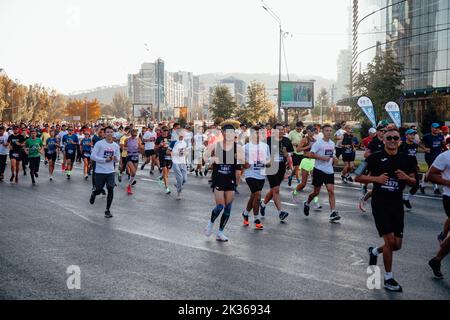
85,110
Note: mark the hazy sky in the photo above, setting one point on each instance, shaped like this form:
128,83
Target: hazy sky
81,44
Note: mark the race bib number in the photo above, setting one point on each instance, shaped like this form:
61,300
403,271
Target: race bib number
437,144
135,157
224,169
152,139
70,151
348,150
108,154
391,185
181,152
329,153
15,155
167,157
412,152
87,155
50,151
258,165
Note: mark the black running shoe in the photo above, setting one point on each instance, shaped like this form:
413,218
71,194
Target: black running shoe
262,210
305,209
201,174
290,181
392,285
334,216
372,258
92,198
119,177
283,215
349,179
196,173
344,179
12,178
151,172
68,177
24,172
108,214
435,265
407,204
134,182
437,192
142,167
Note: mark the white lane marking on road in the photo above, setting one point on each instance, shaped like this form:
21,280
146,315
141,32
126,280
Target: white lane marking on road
299,274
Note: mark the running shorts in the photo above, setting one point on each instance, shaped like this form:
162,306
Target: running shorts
348,157
276,179
70,155
446,201
320,178
255,185
133,158
102,179
339,152
149,153
15,155
51,156
34,163
163,163
296,159
389,215
307,164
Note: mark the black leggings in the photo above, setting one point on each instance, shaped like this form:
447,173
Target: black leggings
2,163
109,198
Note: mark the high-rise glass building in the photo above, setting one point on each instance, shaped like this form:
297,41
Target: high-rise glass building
417,32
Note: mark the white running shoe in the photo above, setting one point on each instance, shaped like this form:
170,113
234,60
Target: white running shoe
221,237
178,196
317,206
208,229
50,178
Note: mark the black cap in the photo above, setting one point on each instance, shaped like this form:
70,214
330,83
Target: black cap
227,127
299,124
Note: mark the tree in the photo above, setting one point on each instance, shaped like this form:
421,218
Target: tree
258,108
77,108
223,104
121,106
382,82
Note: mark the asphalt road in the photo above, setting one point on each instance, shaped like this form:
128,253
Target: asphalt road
154,247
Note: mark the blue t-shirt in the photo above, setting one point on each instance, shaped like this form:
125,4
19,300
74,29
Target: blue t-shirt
70,138
51,145
434,143
86,144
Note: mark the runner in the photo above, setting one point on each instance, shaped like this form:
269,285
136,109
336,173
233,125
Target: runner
24,155
307,164
410,148
178,153
96,138
165,161
225,155
149,139
123,154
257,158
296,137
51,147
105,154
439,173
279,147
132,146
34,148
434,144
70,142
199,149
61,135
85,151
389,170
348,155
323,173
338,137
16,142
3,151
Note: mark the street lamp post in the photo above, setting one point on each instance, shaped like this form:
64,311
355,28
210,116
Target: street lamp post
278,20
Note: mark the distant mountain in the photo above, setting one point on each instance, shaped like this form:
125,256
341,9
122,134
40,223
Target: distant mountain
103,94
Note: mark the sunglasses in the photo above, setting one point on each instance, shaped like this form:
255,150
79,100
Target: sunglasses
395,138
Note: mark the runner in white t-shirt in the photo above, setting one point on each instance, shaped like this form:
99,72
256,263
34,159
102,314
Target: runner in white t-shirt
439,173
323,153
3,151
149,139
199,149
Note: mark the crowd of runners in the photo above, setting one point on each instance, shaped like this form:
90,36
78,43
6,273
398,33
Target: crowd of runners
231,151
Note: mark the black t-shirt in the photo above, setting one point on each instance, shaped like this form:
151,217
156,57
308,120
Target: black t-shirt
410,150
13,140
376,145
163,144
348,141
278,154
381,162
434,143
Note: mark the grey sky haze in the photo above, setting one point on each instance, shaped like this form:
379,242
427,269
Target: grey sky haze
80,44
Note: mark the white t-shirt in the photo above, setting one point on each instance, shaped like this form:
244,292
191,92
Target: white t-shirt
188,138
4,139
103,150
323,148
339,134
257,155
179,152
199,138
152,136
318,136
442,163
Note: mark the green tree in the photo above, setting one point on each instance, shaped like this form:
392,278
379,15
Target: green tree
258,109
223,104
322,101
382,82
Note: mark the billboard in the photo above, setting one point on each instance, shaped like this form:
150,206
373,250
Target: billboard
142,110
297,94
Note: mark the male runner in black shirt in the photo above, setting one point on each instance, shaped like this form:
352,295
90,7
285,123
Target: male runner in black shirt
389,171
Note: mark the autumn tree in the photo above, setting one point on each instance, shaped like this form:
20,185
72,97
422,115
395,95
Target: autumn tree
78,107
